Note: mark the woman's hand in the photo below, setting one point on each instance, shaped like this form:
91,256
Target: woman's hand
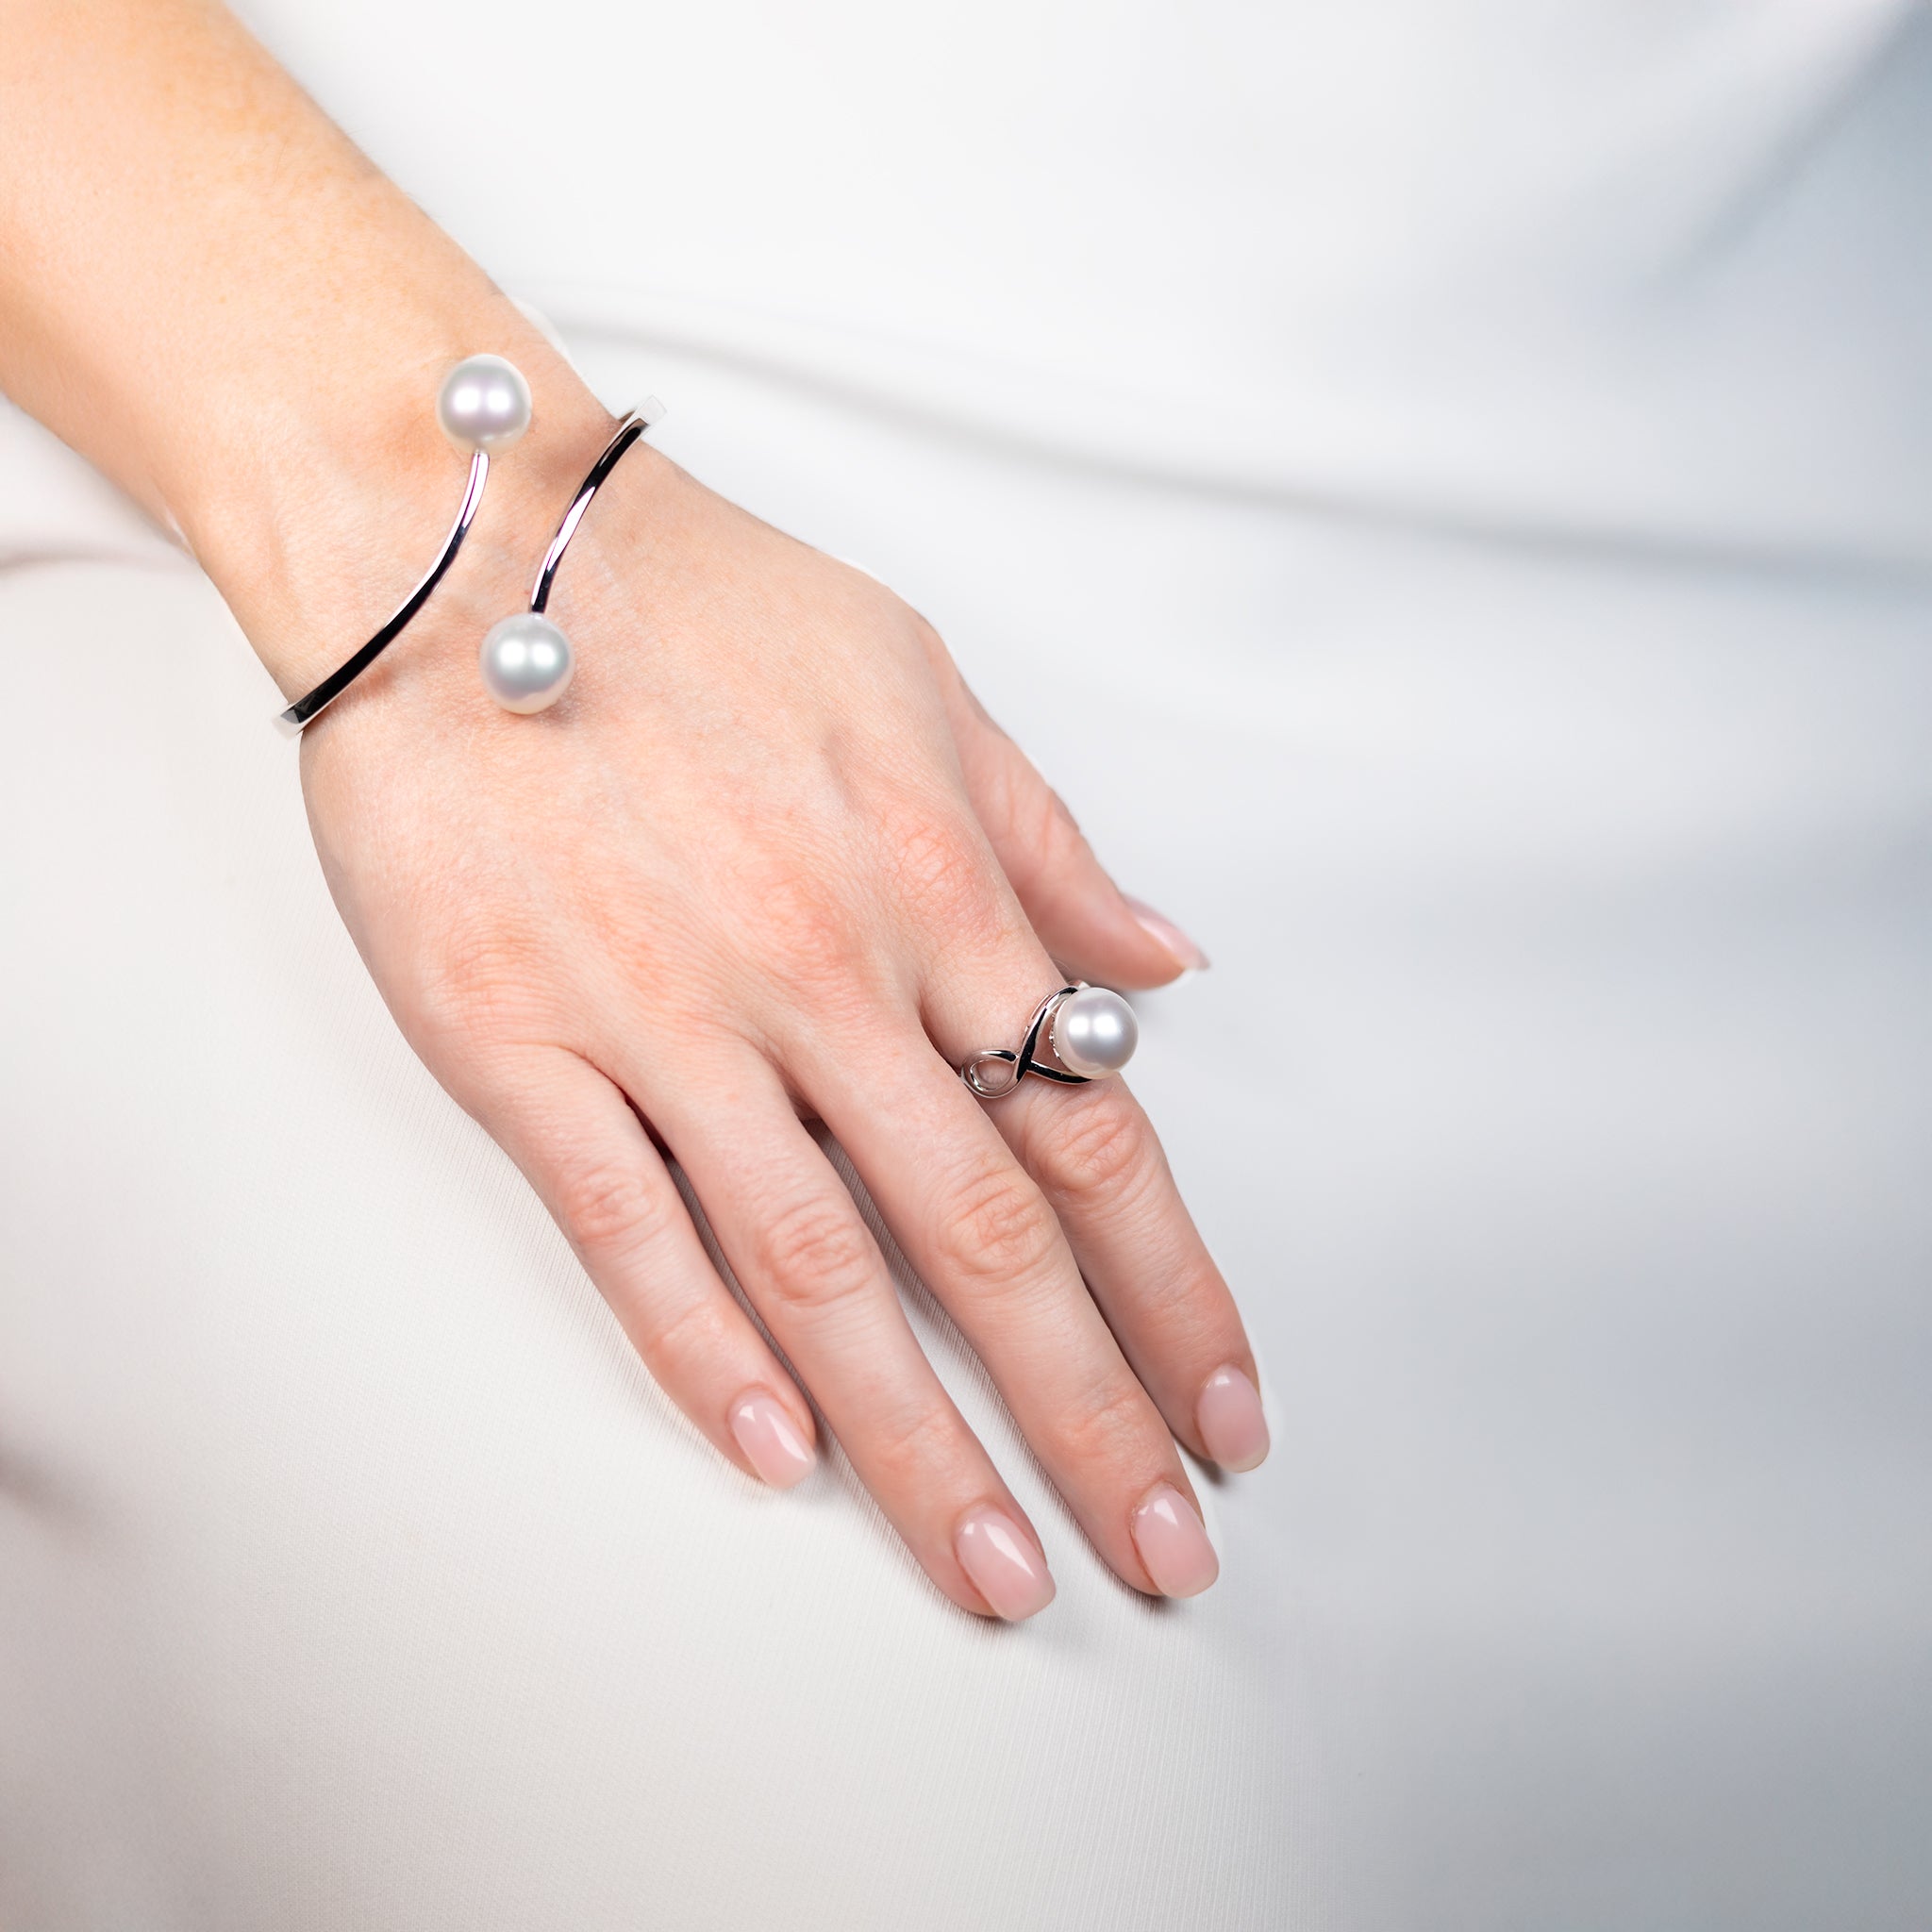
768,858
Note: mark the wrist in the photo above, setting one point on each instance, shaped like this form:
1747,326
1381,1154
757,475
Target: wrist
319,518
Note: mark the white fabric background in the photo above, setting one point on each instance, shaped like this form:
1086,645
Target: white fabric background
1519,620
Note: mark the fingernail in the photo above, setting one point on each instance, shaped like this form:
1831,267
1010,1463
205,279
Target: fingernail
1231,1421
1190,957
771,1441
1005,1567
1173,1544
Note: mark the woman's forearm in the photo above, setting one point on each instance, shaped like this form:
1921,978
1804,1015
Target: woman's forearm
207,291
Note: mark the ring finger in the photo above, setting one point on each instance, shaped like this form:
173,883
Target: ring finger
795,1240
1096,1159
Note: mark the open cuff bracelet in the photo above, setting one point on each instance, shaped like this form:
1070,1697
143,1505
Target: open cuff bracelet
484,407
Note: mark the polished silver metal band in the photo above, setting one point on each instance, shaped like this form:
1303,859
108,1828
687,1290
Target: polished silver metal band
305,711
1016,1066
648,412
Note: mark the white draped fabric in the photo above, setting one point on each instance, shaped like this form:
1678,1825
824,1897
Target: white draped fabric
1490,445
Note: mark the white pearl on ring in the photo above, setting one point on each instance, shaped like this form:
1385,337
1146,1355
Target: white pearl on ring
484,404
1094,1033
526,662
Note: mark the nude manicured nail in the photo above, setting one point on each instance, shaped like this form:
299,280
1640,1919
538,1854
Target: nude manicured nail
1169,934
1232,1424
1173,1544
771,1441
1002,1564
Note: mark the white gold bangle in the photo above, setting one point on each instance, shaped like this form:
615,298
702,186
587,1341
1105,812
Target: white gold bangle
484,405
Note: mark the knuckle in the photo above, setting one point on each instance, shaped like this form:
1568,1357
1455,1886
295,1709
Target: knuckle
926,632
807,929
905,1449
1054,824
997,1228
483,983
1096,1145
1004,799
932,646
1034,816
1191,1305
1113,1425
679,1348
610,1208
942,869
814,1253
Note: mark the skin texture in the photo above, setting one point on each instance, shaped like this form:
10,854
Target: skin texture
767,838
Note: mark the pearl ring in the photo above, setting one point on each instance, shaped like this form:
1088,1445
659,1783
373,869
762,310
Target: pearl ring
1090,1031
525,659
483,406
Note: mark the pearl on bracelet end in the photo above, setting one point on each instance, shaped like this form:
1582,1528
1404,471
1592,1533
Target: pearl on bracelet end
484,404
526,662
